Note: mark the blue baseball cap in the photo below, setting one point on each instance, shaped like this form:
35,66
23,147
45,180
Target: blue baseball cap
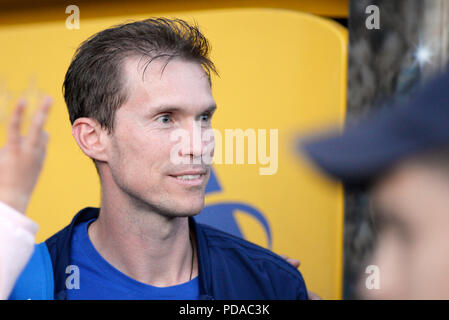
363,152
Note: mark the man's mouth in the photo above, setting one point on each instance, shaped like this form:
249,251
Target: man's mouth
191,177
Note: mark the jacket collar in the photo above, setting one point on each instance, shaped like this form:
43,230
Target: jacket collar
59,247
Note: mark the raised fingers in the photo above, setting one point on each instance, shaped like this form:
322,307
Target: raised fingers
40,117
16,123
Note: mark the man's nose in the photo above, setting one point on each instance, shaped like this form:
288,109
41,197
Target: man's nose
194,146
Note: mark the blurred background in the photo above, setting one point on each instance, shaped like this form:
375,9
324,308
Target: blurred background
292,66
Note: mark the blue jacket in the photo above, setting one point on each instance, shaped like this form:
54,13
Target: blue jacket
229,267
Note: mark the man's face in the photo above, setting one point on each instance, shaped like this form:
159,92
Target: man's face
140,149
411,215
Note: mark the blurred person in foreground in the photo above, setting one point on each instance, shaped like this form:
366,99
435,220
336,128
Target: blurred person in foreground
402,157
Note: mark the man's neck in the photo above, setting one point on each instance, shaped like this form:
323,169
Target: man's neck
145,245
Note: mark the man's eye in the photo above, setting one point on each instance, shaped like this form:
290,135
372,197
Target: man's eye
164,119
205,117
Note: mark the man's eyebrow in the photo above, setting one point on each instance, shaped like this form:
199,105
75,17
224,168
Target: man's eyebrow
210,109
173,108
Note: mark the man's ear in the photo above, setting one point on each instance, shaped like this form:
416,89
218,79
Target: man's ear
91,138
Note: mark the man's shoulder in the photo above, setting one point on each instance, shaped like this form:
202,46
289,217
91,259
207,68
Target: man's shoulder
245,270
230,245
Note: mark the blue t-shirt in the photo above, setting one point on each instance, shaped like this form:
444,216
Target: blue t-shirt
100,280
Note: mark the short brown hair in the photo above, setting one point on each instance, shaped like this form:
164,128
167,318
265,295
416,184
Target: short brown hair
93,85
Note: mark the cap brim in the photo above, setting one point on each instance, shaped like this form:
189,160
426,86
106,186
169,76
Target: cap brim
362,152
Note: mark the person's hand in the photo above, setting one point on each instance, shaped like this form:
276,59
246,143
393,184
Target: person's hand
22,158
296,264
293,262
